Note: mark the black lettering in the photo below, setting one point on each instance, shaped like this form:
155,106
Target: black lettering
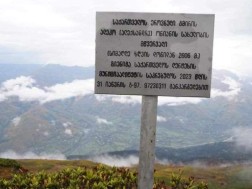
151,65
128,21
115,84
194,34
155,85
154,75
118,53
154,44
185,76
108,32
120,64
163,23
188,23
166,33
200,77
135,33
120,74
141,54
189,66
184,55
164,54
196,87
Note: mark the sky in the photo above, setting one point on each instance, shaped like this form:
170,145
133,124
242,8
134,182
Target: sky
63,31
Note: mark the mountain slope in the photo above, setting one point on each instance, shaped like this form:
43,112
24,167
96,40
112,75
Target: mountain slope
46,111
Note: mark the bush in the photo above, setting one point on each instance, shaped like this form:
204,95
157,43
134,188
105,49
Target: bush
99,177
9,163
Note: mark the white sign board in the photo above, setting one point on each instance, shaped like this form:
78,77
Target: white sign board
154,54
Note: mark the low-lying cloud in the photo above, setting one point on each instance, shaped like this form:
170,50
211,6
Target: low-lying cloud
103,121
133,160
16,121
116,160
233,89
25,89
243,137
68,132
31,155
168,101
161,119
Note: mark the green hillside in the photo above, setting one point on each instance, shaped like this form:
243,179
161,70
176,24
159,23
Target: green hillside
84,125
217,177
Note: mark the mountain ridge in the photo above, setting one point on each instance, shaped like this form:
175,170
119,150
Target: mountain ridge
40,117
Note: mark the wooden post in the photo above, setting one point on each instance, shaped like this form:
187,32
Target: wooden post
147,142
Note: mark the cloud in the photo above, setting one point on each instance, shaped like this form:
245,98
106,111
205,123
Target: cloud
2,97
102,121
168,101
126,161
46,133
116,160
63,32
47,34
232,92
161,119
124,99
68,132
25,89
68,90
233,53
31,155
16,121
67,124
243,137
178,101
233,85
19,82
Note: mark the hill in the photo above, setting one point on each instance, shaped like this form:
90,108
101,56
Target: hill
217,177
51,109
207,154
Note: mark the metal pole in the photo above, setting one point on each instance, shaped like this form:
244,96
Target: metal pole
147,142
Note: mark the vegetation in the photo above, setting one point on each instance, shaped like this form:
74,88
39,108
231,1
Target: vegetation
86,174
98,177
9,163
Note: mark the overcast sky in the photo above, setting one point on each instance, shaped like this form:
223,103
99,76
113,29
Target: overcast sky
63,31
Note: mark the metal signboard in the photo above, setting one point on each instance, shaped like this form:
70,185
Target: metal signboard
154,54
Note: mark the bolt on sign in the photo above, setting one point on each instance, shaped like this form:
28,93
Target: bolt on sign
156,54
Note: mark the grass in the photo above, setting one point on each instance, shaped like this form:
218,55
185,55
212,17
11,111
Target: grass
54,165
217,177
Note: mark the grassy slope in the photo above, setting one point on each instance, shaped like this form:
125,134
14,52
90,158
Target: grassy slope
231,177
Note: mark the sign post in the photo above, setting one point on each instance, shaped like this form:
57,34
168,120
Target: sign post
153,54
147,142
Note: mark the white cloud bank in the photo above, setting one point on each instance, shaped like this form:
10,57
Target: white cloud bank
161,119
169,101
234,88
26,90
103,121
68,132
243,137
16,121
63,32
232,92
116,161
128,161
31,155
